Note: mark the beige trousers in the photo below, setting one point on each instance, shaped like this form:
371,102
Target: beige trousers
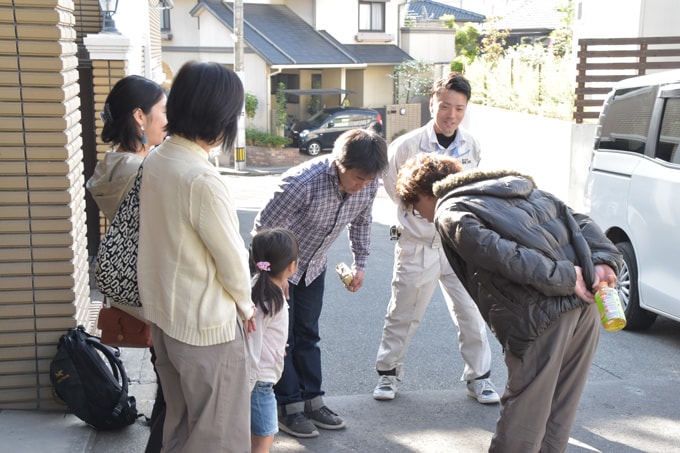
207,393
418,267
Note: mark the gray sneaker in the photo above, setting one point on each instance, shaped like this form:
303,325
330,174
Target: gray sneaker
482,390
297,425
386,389
319,414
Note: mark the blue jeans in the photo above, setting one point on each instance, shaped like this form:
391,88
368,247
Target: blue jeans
263,417
301,379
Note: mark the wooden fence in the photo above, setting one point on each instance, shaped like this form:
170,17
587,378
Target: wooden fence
603,62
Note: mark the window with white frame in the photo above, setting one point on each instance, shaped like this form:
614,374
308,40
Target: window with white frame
372,16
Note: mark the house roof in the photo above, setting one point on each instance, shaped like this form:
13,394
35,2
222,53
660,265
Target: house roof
374,54
533,15
282,38
427,9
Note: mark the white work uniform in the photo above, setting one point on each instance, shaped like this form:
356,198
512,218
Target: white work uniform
419,262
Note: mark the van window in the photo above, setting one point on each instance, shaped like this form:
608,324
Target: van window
669,134
626,120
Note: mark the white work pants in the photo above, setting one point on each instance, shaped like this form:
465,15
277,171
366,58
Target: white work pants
418,267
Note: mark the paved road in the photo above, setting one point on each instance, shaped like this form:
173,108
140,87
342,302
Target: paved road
626,365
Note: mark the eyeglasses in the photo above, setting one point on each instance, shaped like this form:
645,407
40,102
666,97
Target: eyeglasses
416,213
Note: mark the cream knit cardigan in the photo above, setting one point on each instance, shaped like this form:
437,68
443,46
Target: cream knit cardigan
192,264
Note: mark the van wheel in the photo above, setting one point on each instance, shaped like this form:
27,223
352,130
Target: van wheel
636,318
313,148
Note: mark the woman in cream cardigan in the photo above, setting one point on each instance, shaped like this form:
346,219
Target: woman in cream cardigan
193,268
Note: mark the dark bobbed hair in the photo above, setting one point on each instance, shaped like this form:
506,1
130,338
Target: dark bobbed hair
363,149
127,95
279,247
419,174
204,103
452,81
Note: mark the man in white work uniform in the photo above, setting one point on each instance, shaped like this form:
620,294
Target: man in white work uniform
420,261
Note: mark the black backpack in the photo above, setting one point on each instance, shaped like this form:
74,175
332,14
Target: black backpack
96,392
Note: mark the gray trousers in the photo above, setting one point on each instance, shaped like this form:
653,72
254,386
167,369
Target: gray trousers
544,386
207,395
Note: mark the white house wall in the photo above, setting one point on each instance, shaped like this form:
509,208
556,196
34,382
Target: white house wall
655,17
184,30
303,8
626,18
429,44
343,22
607,18
257,83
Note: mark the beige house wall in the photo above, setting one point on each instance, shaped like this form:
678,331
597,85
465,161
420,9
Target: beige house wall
44,280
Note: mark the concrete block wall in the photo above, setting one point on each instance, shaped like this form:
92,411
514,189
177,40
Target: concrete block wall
44,286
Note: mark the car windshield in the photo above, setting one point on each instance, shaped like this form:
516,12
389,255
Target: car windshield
318,118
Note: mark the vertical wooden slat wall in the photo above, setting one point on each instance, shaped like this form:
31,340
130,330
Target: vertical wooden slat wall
44,284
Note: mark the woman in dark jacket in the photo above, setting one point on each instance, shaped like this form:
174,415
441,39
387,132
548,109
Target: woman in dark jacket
531,266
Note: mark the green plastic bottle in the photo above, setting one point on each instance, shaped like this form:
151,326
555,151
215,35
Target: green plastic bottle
609,306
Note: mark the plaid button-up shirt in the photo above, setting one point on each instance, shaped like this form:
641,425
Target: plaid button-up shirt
309,202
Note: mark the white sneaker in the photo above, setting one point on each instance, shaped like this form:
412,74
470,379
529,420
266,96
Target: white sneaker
482,390
386,388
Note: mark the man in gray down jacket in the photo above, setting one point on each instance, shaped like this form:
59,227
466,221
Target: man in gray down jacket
531,265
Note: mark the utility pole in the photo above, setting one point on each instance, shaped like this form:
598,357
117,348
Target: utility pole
240,148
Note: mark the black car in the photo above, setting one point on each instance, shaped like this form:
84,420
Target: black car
321,130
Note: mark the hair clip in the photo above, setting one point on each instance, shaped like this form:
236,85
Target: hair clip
105,114
264,266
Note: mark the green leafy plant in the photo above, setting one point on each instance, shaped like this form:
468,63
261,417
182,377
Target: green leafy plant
458,65
467,44
562,36
398,134
493,44
255,137
448,20
281,115
251,105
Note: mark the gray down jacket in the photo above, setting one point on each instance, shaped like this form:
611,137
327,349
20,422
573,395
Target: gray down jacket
514,247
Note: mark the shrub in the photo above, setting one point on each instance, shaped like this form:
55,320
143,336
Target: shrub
251,105
259,138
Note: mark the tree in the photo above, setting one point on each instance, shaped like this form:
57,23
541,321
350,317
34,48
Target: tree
411,78
467,43
281,115
251,105
560,38
493,45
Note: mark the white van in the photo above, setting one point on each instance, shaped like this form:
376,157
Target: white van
633,192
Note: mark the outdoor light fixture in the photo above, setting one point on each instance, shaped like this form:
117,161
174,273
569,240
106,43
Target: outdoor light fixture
163,4
109,8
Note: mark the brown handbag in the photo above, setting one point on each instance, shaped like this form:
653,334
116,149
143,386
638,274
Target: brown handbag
122,329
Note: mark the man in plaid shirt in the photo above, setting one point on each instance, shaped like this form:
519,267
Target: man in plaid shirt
317,200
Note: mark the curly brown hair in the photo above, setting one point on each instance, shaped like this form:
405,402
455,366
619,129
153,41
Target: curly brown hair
417,176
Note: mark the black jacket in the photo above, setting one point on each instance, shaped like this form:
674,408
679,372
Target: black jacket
514,247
